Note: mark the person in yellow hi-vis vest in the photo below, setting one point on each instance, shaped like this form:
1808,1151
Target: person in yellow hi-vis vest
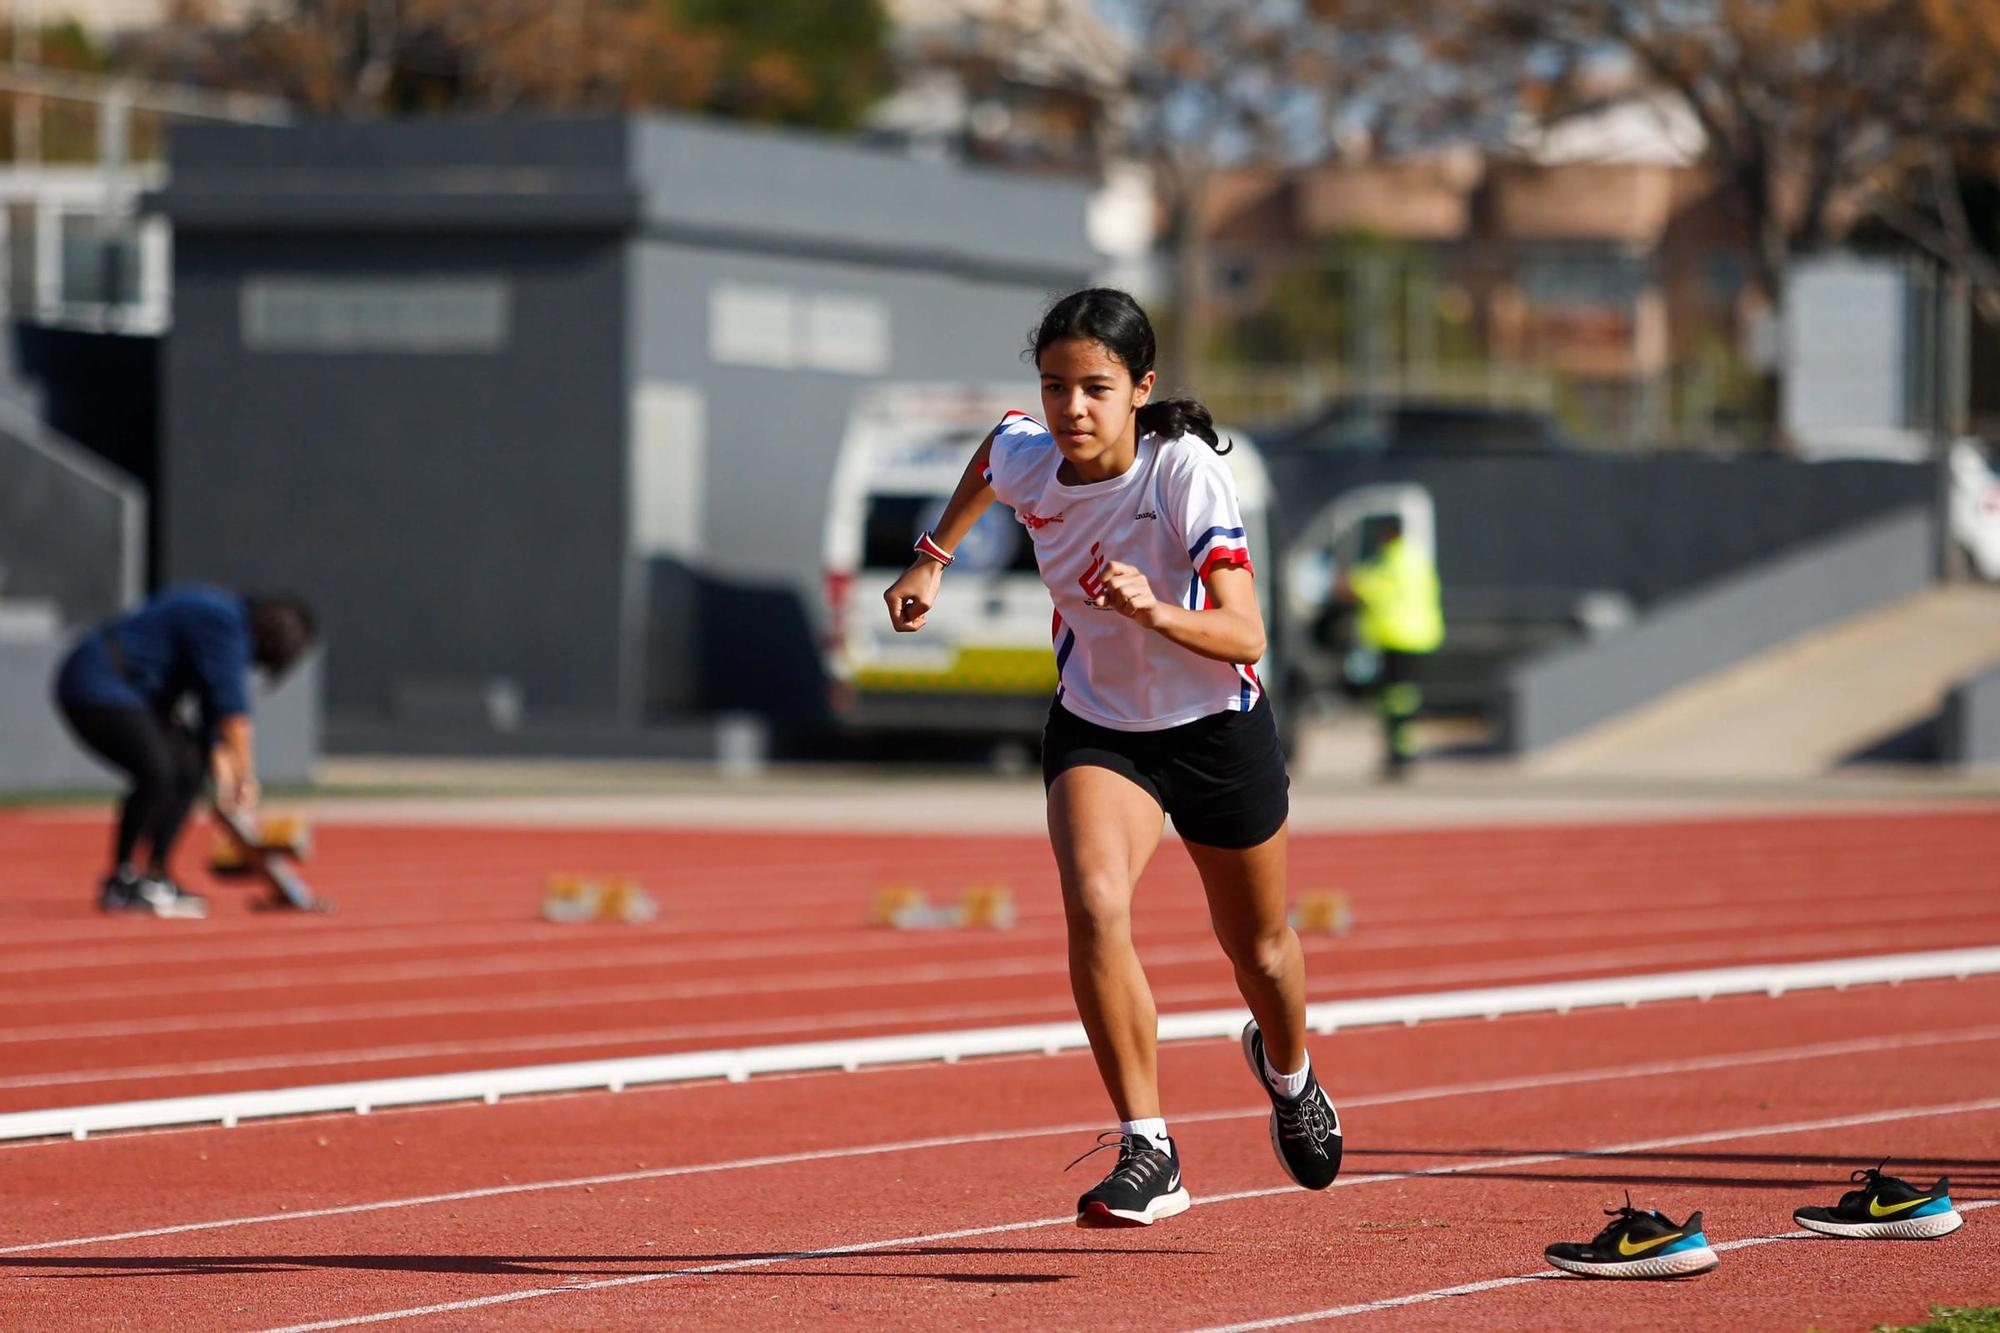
1401,620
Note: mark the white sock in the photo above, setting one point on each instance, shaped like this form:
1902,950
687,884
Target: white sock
1153,1130
1287,1085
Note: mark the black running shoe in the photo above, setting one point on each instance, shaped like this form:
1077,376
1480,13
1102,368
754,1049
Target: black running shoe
118,894
1638,1244
1144,1187
1885,1208
153,894
1305,1130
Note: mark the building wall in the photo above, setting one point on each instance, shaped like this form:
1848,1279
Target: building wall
612,507
42,756
1650,527
749,555
773,277
455,515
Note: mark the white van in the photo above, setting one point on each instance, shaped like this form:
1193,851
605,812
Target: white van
982,662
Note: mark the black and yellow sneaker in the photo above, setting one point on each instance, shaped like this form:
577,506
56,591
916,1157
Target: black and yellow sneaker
1885,1208
1638,1244
1305,1130
1144,1187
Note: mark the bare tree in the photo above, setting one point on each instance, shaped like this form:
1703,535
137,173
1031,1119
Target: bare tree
1813,110
1191,87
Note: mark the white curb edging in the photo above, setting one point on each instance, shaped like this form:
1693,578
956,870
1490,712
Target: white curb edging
490,1085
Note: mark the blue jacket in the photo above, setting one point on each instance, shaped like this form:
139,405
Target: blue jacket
191,639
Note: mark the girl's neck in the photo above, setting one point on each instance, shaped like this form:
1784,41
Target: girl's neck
1113,462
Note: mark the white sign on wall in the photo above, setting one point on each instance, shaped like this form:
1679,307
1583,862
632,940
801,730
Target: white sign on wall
669,469
751,326
375,313
780,328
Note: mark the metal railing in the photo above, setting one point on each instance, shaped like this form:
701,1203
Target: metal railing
72,527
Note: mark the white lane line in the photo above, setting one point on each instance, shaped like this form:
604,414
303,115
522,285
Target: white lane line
1713,953
837,1251
1494,1284
532,958
219,942
1483,1088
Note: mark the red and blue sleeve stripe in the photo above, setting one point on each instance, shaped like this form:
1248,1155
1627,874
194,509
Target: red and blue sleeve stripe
1220,548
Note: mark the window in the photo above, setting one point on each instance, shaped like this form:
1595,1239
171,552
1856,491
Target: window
100,264
1581,279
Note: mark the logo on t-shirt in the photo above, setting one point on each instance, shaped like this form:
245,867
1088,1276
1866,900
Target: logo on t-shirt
1036,521
1145,513
1092,583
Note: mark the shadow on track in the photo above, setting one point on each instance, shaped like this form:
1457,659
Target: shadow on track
560,1265
1969,1175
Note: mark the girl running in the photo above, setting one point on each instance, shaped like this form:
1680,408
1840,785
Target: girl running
1158,711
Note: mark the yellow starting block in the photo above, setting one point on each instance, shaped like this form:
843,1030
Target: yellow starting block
984,907
1323,914
285,834
892,904
584,898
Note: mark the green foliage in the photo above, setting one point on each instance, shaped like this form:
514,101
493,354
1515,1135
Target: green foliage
821,63
1952,1319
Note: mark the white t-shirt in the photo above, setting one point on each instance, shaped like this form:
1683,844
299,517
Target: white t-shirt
1172,515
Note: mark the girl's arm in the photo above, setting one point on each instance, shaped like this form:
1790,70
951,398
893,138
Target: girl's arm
1231,629
911,597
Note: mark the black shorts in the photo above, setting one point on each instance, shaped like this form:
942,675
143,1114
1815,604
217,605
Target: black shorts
1220,778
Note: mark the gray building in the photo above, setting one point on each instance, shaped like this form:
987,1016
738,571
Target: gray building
542,414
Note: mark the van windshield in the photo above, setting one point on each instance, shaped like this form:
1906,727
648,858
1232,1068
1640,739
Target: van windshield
997,544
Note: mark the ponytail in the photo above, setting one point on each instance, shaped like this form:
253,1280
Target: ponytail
1170,418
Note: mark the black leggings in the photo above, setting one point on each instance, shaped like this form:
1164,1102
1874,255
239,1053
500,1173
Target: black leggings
165,764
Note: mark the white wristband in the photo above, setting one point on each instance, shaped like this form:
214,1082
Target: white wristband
926,545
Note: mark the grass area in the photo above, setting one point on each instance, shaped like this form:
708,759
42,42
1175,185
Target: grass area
1952,1319
10,800
108,797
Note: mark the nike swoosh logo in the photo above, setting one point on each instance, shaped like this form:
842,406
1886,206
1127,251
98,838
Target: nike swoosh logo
1875,1208
1628,1249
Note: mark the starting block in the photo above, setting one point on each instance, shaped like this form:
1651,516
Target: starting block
583,898
1323,914
984,907
268,851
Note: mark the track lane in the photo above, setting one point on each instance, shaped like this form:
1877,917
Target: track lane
480,1248
454,978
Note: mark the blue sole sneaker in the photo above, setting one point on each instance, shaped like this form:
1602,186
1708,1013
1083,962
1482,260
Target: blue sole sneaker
1885,1208
1638,1244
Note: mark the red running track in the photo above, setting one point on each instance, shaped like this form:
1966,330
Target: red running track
933,1195
437,961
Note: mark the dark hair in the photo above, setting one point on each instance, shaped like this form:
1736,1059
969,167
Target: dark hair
1112,319
282,627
